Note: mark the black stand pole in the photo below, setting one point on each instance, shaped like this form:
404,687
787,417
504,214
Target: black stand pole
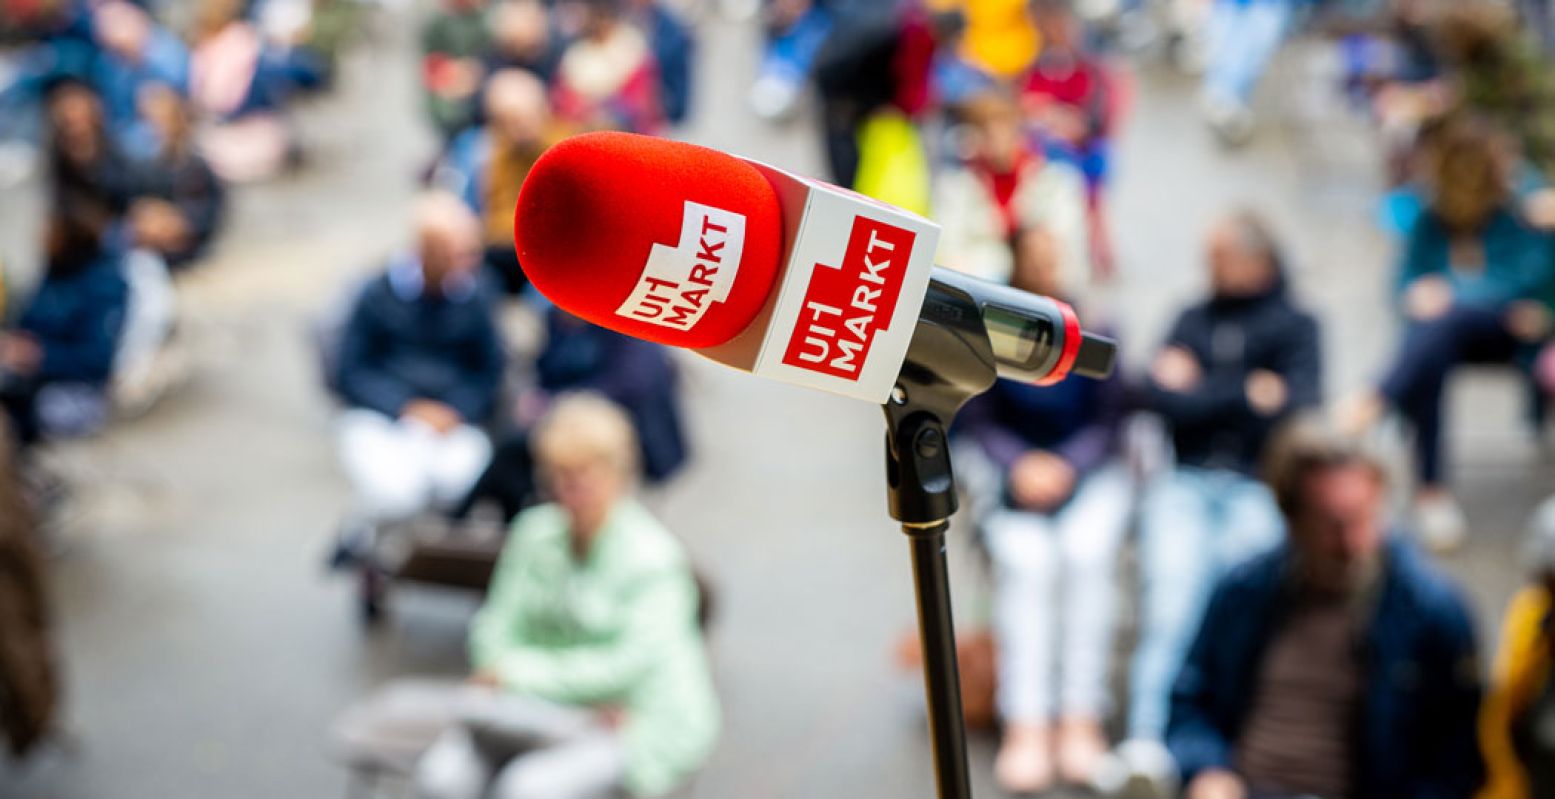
949,362
941,673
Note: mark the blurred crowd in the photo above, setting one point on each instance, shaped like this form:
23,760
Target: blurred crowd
1295,637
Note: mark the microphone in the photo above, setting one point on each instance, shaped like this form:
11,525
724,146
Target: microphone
768,272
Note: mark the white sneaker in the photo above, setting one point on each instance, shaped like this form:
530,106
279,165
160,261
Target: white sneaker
1440,522
1137,769
1232,122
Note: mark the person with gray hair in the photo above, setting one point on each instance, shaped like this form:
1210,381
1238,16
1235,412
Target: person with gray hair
1233,368
419,366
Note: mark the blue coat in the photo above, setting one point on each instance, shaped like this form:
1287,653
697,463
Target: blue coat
77,317
404,343
1415,728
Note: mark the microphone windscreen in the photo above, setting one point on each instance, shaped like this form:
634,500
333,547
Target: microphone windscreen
656,239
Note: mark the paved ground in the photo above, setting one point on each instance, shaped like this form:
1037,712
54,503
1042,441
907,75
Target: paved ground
207,650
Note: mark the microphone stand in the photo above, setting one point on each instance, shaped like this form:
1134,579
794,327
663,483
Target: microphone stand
949,361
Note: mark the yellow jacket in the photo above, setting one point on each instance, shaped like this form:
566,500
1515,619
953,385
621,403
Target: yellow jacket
1522,666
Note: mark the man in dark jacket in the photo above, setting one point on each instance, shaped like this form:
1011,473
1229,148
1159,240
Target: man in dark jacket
1233,368
635,374
419,368
1341,664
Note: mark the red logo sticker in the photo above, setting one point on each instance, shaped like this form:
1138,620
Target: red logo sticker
844,306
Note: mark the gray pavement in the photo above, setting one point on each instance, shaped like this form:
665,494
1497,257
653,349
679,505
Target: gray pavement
207,651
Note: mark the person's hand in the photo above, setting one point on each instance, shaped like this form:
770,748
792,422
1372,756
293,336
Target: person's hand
436,415
1529,321
1427,298
1539,209
159,225
1041,481
1175,369
1064,122
485,678
1266,392
1216,784
611,716
20,353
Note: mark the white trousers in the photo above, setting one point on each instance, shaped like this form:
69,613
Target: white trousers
399,468
1054,600
516,747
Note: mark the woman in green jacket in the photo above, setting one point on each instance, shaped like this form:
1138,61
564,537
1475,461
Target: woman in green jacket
588,641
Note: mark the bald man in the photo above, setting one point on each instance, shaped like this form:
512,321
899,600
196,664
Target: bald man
419,369
486,166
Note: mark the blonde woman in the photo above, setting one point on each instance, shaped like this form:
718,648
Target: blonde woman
587,654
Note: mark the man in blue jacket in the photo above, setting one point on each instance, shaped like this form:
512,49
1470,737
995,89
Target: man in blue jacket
1340,665
419,368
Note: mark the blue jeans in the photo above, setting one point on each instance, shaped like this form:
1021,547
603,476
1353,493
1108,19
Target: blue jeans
1195,525
1242,37
1417,379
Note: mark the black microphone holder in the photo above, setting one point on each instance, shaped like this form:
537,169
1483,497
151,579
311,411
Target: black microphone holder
950,361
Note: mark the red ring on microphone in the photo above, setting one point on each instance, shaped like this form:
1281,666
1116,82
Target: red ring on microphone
1072,338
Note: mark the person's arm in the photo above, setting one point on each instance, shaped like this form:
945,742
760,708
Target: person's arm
659,610
979,421
1193,736
676,57
1054,199
1451,765
1301,364
1422,254
1522,654
1089,445
963,245
203,205
1213,398
476,395
500,620
363,383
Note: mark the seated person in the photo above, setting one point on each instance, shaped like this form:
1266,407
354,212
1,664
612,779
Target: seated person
1068,95
487,165
55,365
1054,541
1469,283
135,51
674,51
1341,664
1004,185
1241,38
635,374
1234,367
180,200
91,179
522,37
419,370
607,78
454,42
591,671
241,83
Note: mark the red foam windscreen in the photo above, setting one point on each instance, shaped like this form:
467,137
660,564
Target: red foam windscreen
595,205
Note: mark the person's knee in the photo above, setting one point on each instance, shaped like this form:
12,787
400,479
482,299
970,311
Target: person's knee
451,769
1020,551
